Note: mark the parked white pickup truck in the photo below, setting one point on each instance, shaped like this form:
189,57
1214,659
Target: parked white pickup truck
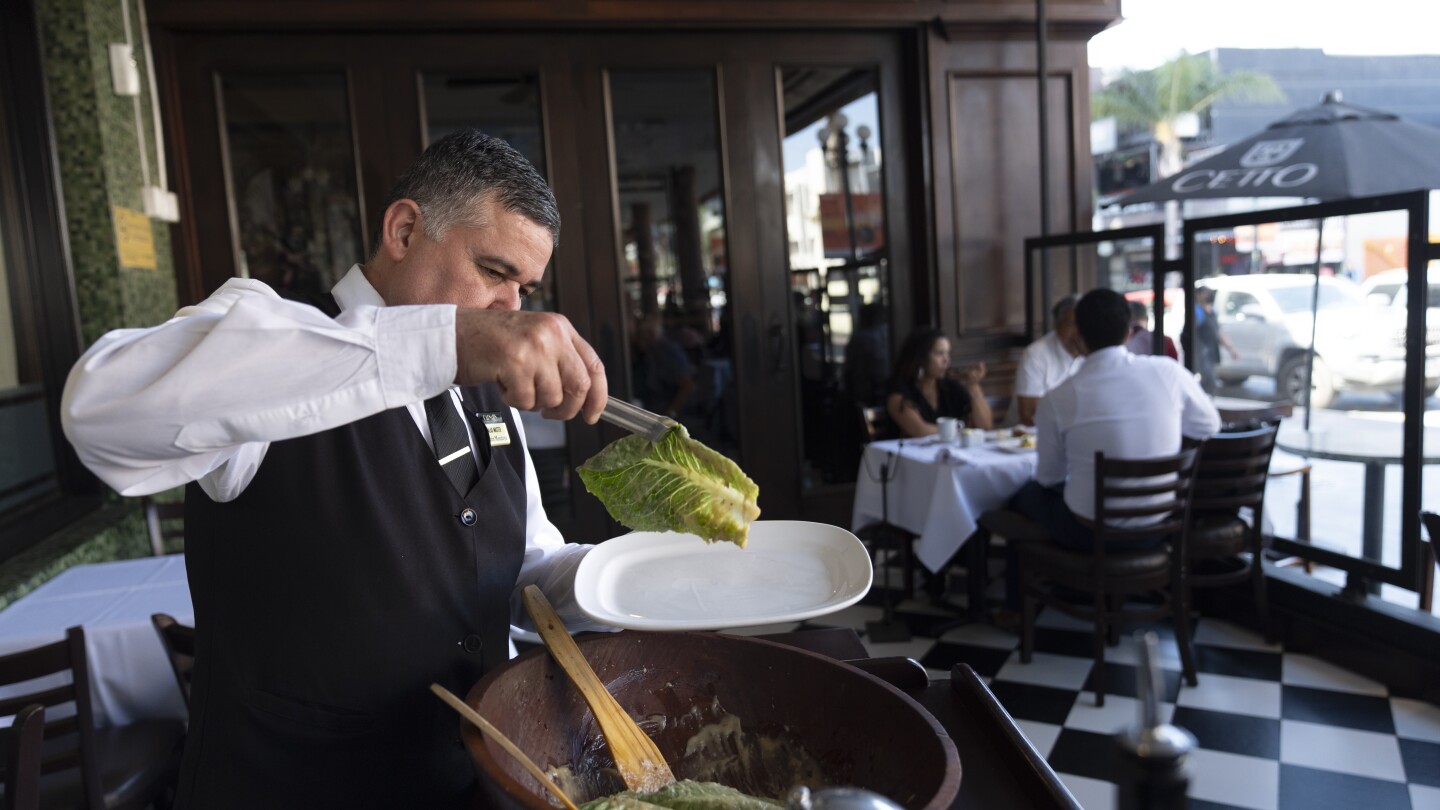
1358,347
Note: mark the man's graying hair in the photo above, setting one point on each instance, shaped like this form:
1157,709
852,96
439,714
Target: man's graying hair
458,172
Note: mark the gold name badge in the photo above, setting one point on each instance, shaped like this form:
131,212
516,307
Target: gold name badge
496,428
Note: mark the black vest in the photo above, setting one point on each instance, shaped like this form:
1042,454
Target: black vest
328,596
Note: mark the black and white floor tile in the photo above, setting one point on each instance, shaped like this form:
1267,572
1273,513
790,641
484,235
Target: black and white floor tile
1276,729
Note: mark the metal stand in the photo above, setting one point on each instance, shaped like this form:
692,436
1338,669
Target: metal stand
888,630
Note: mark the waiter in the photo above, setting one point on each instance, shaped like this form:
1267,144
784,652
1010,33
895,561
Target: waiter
361,511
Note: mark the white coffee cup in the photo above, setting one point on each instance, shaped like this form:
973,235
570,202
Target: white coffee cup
949,428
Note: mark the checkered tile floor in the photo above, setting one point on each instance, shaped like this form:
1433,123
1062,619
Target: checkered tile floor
1276,729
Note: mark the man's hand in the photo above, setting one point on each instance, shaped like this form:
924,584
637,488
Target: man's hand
537,358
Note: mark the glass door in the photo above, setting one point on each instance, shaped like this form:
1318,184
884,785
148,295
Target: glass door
669,156
723,294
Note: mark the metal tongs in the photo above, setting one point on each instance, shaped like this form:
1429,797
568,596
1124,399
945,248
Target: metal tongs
622,414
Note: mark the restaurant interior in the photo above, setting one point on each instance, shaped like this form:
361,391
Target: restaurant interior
767,196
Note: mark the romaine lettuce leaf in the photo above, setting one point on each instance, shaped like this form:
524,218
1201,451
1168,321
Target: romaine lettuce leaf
675,484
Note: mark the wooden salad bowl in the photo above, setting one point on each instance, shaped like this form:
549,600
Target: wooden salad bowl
755,715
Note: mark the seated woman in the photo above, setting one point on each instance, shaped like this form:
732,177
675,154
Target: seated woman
924,388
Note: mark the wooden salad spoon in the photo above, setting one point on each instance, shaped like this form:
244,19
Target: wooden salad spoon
640,763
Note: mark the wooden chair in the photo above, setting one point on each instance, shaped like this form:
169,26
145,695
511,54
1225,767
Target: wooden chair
1107,572
113,768
1427,560
1231,473
1273,412
179,642
164,521
22,759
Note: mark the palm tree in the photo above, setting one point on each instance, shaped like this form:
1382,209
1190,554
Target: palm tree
1189,83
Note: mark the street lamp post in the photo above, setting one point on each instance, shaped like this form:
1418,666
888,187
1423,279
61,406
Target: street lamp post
835,143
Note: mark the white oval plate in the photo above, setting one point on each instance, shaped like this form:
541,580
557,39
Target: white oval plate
790,571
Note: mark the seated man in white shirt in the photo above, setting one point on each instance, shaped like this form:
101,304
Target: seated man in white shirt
1126,405
1047,362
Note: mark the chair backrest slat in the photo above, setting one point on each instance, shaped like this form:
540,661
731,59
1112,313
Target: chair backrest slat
62,656
27,665
1149,481
179,642
163,521
1233,470
53,696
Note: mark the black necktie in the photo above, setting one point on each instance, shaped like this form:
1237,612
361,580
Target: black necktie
452,443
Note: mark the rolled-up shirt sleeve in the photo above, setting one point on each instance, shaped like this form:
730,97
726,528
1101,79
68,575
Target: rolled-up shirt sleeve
201,396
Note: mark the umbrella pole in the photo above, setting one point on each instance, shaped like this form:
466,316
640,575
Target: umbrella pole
1314,320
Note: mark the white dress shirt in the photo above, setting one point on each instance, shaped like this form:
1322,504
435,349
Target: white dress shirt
201,397
1128,406
1043,365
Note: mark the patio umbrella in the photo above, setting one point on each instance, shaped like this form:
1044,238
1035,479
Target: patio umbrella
1332,151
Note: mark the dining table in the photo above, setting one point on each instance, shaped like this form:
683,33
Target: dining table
937,490
130,673
1371,440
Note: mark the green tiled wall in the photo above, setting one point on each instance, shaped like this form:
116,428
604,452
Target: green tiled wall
100,166
116,532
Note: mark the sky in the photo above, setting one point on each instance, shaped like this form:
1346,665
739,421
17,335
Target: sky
1154,31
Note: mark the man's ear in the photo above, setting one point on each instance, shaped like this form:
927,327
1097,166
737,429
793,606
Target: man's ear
400,228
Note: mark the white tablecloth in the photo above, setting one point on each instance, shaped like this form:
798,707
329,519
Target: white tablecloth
937,490
130,675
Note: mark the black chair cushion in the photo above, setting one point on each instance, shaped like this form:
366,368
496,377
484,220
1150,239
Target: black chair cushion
1012,526
1214,536
1050,560
136,761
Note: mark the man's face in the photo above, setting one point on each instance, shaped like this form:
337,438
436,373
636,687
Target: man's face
490,266
1069,335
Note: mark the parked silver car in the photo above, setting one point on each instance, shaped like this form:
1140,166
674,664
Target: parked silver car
1357,347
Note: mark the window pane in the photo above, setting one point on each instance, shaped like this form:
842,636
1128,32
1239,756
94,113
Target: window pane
674,275
27,464
292,173
838,260
504,106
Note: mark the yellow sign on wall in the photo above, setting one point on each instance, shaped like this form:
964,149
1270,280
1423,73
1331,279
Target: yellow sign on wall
135,238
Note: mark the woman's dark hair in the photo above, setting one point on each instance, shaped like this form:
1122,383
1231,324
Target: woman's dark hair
1103,318
456,173
913,353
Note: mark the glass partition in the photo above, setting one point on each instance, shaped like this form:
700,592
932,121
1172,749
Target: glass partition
838,260
1122,260
1307,314
1320,316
